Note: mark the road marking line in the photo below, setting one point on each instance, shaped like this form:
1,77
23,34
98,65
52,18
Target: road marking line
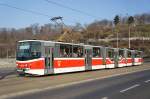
147,81
129,88
104,98
62,85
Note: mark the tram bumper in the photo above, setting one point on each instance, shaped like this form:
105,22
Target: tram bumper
22,71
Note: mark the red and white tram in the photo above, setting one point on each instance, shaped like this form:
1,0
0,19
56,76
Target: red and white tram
122,57
138,60
38,57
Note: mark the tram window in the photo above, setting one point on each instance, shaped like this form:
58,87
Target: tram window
77,51
35,51
47,51
65,50
96,52
110,53
129,53
121,53
138,54
28,50
57,50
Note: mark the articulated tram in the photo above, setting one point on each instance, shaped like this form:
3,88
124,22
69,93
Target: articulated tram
39,57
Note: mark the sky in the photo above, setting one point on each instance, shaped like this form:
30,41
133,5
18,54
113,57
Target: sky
86,11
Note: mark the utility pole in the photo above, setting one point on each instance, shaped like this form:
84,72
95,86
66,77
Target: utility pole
117,40
130,22
129,38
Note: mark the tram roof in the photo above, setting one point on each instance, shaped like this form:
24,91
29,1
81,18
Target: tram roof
81,44
31,40
51,42
55,42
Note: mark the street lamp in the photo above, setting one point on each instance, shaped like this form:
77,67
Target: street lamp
129,38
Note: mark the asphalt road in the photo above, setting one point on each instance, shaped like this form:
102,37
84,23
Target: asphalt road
129,86
4,72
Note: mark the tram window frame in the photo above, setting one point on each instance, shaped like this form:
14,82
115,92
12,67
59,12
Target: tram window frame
77,51
57,50
34,50
110,51
121,53
65,50
95,53
69,51
129,54
138,54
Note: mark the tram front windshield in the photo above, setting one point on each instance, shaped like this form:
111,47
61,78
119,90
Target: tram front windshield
28,50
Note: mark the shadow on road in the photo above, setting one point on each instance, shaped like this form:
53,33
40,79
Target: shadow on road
5,74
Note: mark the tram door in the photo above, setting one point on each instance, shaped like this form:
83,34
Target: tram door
88,58
132,56
48,60
111,57
116,57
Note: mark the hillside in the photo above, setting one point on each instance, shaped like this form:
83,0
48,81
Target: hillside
95,33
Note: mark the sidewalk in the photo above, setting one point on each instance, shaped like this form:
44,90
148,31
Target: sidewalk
6,63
